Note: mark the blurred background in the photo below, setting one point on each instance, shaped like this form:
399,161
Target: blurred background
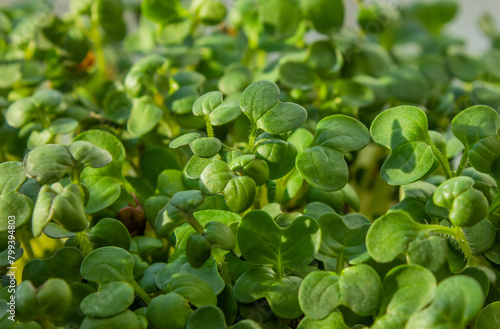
465,24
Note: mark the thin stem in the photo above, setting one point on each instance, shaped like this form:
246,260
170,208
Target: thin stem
96,38
340,263
292,204
75,177
42,118
210,130
140,292
221,265
281,187
496,203
26,244
251,138
462,164
263,201
229,148
248,58
281,273
195,224
85,244
441,159
458,235
173,128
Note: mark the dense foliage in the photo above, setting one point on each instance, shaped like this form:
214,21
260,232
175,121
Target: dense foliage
247,164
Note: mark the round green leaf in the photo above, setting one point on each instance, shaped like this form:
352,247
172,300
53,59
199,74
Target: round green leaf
53,298
458,300
206,147
361,289
279,156
262,282
489,317
11,176
215,177
211,317
390,235
467,205
65,207
143,117
21,112
63,126
48,163
403,129
110,232
239,193
323,168
297,75
325,15
169,311
475,123
194,289
429,252
198,250
64,264
340,238
319,294
225,113
207,103
294,246
408,289
124,320
111,299
334,321
323,165
87,154
249,165
17,205
105,141
162,12
260,103
108,264
182,100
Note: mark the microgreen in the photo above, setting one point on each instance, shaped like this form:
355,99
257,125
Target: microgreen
248,165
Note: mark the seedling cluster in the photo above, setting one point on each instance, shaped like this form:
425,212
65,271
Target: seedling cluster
248,165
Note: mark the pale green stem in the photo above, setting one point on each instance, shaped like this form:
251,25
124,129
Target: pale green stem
441,159
96,38
251,138
280,270
210,130
281,187
140,292
462,164
76,177
26,244
340,263
458,235
300,194
195,224
495,204
83,240
42,118
221,264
